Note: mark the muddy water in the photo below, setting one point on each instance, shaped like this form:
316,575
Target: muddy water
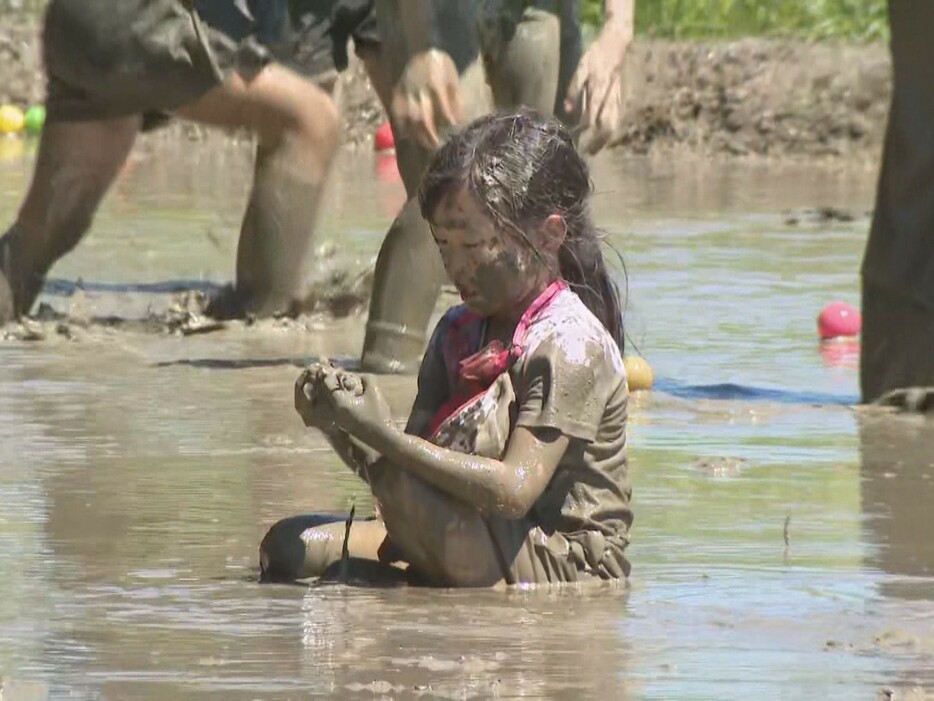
139,471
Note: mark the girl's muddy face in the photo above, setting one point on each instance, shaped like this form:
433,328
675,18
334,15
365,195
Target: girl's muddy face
494,270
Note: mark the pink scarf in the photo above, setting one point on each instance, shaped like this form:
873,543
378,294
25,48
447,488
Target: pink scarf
476,371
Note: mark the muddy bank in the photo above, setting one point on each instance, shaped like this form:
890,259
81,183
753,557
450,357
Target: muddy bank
757,97
739,98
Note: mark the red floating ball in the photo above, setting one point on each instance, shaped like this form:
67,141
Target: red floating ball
838,319
383,139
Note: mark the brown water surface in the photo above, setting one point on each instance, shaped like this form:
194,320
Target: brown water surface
139,471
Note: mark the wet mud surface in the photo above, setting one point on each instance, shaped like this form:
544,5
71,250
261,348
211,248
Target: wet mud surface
781,544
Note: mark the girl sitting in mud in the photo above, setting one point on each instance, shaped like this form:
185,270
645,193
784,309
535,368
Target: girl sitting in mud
511,468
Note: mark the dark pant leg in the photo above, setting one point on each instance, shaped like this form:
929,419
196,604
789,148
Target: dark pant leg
898,268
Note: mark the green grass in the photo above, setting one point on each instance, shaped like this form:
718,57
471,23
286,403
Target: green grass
816,20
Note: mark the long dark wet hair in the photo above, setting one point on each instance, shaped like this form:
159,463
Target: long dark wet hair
523,167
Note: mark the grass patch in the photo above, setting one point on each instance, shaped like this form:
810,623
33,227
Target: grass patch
814,20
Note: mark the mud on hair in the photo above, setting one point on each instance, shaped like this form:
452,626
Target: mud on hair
523,167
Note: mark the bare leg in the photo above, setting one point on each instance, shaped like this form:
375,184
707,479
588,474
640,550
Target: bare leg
444,539
409,273
297,127
300,547
525,71
77,163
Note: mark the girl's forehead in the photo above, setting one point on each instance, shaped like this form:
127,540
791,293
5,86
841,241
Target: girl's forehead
457,208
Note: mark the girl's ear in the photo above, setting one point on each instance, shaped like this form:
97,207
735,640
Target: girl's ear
554,230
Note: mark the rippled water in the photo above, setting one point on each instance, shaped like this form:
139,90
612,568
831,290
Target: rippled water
138,472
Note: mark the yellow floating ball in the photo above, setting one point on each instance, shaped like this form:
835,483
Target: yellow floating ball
12,119
638,372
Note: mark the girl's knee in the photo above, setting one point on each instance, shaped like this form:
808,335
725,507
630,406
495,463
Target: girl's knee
298,547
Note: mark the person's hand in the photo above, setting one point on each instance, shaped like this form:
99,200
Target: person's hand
427,96
596,90
315,412
357,405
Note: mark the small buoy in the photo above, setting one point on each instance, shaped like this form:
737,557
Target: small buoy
383,139
638,372
11,119
839,320
34,119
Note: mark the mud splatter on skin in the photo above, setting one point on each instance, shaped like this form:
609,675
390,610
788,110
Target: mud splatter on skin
495,272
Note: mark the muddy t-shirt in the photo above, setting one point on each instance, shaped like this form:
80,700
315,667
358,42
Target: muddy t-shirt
569,377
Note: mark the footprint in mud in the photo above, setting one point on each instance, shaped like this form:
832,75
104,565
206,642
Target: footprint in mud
719,467
820,215
900,641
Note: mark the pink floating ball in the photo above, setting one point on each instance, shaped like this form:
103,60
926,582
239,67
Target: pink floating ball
383,140
839,319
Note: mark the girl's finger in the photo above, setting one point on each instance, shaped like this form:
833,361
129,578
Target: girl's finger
332,382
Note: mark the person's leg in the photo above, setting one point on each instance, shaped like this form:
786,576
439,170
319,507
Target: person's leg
297,127
898,267
76,164
523,69
306,546
897,343
409,273
451,544
572,48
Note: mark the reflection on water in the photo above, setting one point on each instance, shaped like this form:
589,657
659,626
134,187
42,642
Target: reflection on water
138,472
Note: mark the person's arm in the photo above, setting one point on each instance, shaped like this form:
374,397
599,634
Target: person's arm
595,92
427,94
620,15
419,25
508,487
560,399
358,456
317,414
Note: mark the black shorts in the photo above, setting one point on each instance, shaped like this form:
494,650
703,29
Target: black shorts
320,31
106,59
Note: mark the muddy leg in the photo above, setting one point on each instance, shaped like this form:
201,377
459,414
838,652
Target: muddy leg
524,71
300,547
297,128
409,272
77,163
572,48
445,540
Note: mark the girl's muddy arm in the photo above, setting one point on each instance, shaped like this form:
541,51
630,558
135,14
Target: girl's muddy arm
317,414
358,456
508,487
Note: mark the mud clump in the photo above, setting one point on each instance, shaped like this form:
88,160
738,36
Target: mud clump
334,292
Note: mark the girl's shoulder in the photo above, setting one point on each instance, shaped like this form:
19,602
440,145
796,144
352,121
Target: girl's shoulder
567,324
